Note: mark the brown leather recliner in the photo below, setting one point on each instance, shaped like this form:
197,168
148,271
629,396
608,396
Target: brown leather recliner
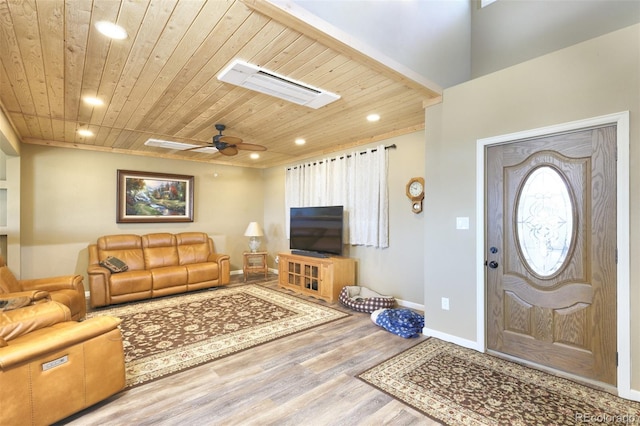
52,367
66,289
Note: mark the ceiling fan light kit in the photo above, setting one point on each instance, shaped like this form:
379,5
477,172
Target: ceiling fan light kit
258,79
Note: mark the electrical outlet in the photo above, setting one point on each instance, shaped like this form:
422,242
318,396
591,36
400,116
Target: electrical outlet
445,303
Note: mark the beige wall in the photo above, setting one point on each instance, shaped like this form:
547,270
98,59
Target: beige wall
69,200
591,79
396,270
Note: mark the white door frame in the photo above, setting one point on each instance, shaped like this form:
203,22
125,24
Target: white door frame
620,119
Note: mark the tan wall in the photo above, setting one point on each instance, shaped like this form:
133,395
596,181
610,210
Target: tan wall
591,79
396,270
69,200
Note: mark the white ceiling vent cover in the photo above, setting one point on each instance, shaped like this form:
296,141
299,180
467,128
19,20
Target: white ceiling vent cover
180,146
255,78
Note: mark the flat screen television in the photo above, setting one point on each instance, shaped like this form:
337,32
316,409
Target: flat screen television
316,231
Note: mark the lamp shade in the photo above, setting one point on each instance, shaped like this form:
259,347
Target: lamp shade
253,230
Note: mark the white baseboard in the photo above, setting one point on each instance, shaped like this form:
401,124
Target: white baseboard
453,339
240,271
410,305
633,395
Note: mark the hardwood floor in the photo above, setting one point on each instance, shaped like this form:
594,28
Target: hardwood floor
308,378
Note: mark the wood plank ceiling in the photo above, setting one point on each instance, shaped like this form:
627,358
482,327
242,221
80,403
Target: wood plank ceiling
161,82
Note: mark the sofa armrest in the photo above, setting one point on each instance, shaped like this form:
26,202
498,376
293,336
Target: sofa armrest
60,336
98,285
218,257
34,295
21,321
73,282
224,266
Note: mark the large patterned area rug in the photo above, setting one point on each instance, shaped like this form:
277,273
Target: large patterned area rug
167,335
459,386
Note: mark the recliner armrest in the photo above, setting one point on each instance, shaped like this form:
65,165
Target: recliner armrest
35,295
60,336
52,283
218,257
21,321
98,270
224,266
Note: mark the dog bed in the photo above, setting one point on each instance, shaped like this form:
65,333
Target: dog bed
403,322
362,299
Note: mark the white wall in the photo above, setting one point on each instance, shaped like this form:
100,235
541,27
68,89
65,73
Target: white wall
430,37
508,32
591,79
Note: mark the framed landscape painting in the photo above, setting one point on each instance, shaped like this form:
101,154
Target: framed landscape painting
154,197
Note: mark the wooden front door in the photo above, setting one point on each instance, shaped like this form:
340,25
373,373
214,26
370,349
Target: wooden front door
551,251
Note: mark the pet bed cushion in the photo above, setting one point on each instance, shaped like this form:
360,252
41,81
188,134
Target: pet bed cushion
403,322
362,299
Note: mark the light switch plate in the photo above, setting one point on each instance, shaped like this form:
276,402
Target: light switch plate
462,223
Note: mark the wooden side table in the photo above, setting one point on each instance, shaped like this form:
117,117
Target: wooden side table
255,262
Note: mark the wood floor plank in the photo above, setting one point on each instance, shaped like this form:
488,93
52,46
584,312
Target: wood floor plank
309,378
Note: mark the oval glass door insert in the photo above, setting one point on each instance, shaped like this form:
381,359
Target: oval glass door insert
544,219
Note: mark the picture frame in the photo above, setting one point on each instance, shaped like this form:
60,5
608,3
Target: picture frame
147,197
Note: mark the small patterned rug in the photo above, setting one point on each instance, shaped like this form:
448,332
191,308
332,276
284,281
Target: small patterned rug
168,335
459,386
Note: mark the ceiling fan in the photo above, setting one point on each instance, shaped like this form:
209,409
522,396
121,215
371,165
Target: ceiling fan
229,145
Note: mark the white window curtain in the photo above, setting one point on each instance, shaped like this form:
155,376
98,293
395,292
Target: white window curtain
357,181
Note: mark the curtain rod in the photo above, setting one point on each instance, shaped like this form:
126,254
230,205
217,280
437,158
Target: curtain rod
392,146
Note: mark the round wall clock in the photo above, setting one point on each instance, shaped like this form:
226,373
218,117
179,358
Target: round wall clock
415,192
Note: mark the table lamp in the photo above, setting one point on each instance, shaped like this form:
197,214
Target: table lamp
254,232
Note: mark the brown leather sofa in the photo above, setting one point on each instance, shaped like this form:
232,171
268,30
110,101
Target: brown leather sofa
157,265
66,289
52,367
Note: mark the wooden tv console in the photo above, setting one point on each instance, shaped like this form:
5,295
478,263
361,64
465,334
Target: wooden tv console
316,276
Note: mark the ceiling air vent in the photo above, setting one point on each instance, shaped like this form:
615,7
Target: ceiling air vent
255,78
180,146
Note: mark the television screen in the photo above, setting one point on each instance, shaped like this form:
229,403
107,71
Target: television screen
316,229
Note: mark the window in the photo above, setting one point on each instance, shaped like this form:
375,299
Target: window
357,181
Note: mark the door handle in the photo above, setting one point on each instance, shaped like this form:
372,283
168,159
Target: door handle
493,264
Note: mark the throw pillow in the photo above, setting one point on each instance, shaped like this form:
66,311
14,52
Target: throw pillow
114,264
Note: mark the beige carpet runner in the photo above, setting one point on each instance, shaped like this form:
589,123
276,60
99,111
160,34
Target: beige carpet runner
167,335
459,386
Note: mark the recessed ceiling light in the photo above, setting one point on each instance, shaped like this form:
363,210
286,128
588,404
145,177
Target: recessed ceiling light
111,30
300,141
85,132
92,100
254,156
373,117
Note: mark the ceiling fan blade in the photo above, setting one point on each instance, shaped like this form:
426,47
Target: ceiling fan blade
251,147
231,140
229,151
